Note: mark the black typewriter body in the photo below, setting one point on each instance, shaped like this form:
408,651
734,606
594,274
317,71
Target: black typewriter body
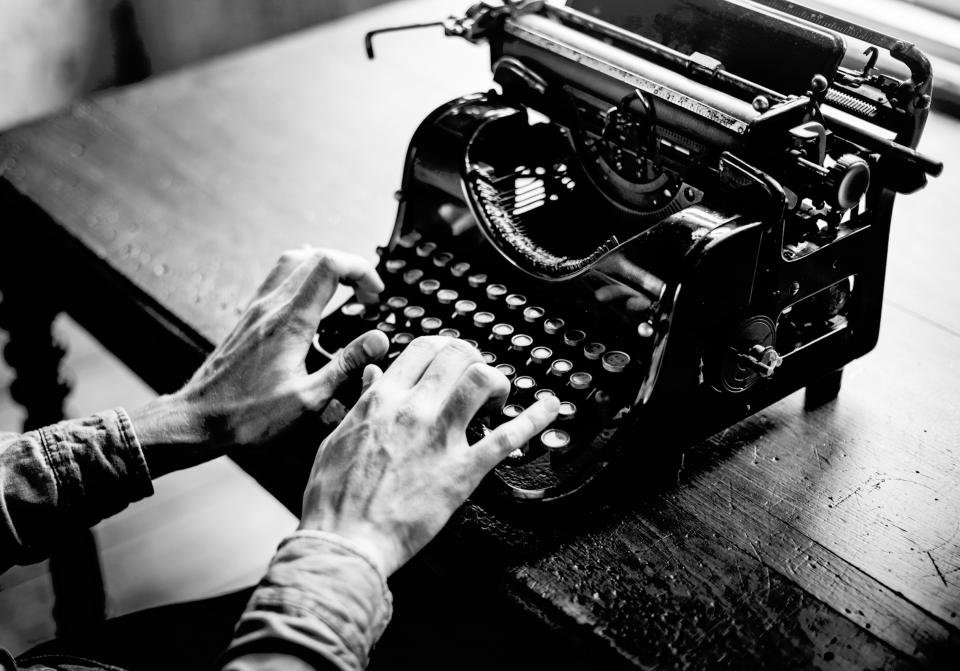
668,238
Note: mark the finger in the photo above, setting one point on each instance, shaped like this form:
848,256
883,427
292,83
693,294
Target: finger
478,388
443,373
357,272
514,434
371,374
353,358
281,270
413,361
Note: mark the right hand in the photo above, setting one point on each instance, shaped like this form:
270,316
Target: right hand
391,474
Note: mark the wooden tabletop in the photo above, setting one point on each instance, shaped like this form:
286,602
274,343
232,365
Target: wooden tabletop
794,539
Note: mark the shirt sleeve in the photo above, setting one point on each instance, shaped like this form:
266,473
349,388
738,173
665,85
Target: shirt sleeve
322,605
70,474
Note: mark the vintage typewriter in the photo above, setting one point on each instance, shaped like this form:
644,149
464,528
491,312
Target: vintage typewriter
669,214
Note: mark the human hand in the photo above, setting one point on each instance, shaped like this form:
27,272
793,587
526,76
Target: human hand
391,474
254,386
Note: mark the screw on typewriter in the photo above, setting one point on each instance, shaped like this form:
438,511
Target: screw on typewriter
688,231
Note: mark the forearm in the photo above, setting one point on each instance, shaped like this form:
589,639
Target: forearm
322,604
68,475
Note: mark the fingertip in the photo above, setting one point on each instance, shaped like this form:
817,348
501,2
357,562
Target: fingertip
375,344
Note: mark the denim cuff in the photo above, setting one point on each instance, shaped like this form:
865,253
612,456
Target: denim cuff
321,599
97,464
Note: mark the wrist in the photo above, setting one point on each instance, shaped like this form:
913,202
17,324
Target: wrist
379,550
171,435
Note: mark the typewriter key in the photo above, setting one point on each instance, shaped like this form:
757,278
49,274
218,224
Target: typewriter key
442,259
501,332
553,326
567,411
387,327
425,249
561,367
413,276
353,310
460,269
482,322
580,383
496,291
573,338
449,333
555,439
447,296
477,280
511,410
489,358
544,393
394,266
507,370
409,240
430,325
397,302
539,356
615,361
523,386
412,314
400,340
519,346
429,287
516,301
472,343
533,314
594,350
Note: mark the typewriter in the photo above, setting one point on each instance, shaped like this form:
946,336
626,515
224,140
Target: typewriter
668,214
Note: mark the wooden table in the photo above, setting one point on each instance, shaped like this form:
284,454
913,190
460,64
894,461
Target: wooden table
794,539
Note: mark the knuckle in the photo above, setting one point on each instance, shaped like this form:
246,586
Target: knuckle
463,348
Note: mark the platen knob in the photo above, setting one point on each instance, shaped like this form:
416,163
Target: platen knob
848,181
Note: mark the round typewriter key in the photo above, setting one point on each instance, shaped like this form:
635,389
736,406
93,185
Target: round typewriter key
533,314
553,326
460,269
574,337
372,312
544,393
511,410
394,266
524,384
483,320
430,325
507,370
442,259
425,249
489,358
401,340
447,296
413,314
581,382
397,302
615,361
540,355
567,411
408,240
429,287
555,439
352,310
464,307
386,327
645,329
521,343
472,343
501,331
413,276
477,280
496,291
449,333
516,301
561,367
594,350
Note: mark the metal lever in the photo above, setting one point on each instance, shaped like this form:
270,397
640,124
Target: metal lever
368,38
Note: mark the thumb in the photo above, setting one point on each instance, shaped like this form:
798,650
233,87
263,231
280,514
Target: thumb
371,374
350,360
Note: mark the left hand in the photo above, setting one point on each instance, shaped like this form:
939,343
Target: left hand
254,386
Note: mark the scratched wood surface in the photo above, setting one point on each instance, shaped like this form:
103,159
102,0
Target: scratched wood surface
795,539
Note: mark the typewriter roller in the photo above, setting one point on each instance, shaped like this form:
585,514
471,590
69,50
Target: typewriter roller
666,227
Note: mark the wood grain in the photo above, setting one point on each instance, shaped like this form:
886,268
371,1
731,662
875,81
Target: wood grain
795,539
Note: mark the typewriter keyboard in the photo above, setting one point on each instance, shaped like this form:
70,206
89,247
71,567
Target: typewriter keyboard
544,344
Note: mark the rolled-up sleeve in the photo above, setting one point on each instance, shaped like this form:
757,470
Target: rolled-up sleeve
322,604
70,474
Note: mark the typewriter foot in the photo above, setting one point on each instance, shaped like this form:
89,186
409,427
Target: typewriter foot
823,390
